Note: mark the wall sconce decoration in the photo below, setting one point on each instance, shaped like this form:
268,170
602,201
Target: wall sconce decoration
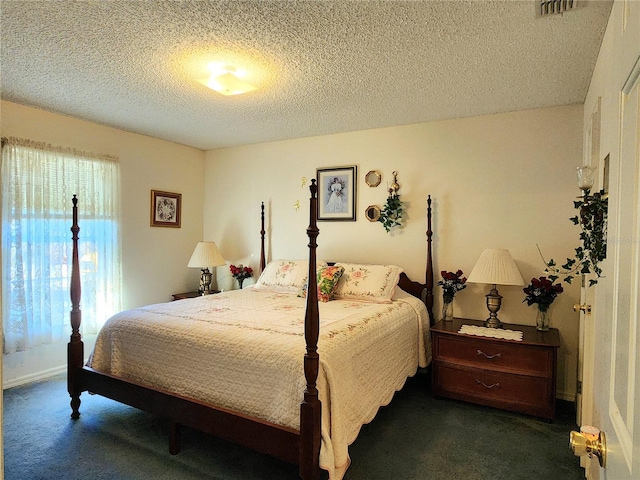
372,213
391,214
585,178
297,203
373,178
592,218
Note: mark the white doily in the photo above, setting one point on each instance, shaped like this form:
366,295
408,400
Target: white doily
491,332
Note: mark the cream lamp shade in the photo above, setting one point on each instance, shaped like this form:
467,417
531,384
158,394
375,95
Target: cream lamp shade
205,255
495,267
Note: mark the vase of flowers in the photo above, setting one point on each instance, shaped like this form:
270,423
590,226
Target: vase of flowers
447,310
451,284
543,319
542,292
240,273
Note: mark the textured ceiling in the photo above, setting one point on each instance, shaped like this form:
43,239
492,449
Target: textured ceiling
321,66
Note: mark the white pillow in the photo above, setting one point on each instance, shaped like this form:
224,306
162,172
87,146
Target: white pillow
285,276
371,283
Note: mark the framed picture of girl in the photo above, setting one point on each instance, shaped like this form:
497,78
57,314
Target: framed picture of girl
337,193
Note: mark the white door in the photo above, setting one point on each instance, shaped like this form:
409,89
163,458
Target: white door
586,340
616,367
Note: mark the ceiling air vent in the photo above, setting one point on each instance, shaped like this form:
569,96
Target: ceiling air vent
545,8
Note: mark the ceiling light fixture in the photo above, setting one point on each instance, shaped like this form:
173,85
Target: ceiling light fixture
225,80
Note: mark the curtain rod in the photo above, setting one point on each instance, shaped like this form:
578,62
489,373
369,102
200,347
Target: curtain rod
21,142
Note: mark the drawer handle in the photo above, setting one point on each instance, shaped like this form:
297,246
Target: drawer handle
497,384
497,355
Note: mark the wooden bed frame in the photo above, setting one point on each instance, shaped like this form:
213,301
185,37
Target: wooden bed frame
298,447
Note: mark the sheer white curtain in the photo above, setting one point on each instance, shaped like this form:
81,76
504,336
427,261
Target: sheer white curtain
38,182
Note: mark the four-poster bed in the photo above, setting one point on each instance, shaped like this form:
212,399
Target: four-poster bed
296,441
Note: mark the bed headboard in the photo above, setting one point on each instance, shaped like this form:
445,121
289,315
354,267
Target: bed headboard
423,291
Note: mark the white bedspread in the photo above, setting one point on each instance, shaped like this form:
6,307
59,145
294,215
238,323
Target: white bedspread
243,350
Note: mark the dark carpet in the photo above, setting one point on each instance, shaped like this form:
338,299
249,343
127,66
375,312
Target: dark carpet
415,437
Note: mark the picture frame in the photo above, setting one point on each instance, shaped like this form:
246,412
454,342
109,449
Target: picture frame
166,209
337,191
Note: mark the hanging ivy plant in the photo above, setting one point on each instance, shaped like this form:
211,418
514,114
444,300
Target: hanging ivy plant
592,218
391,214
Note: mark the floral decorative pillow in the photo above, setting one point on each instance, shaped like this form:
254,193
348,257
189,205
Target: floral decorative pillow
285,276
371,283
328,278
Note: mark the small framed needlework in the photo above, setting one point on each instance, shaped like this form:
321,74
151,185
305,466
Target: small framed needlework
337,188
165,209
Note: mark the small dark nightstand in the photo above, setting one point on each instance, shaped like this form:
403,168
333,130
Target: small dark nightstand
182,296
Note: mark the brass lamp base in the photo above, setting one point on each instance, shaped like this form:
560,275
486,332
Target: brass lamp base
494,301
205,282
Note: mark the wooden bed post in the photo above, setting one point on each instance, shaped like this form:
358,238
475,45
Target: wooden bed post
310,408
262,232
429,274
423,291
75,348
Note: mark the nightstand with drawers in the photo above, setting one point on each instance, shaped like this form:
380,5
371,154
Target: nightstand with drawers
519,376
182,296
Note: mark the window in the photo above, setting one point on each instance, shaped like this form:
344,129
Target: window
38,182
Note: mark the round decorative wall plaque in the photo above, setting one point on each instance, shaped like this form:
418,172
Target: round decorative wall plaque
372,213
373,178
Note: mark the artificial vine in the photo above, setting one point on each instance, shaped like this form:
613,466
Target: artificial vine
391,213
592,218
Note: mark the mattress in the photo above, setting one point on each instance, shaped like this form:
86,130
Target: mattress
243,350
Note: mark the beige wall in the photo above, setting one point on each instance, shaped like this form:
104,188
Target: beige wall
503,181
498,181
154,259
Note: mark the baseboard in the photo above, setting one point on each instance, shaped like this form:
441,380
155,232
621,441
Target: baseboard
34,377
568,397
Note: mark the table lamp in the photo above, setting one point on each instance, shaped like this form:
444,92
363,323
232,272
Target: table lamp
495,267
205,255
